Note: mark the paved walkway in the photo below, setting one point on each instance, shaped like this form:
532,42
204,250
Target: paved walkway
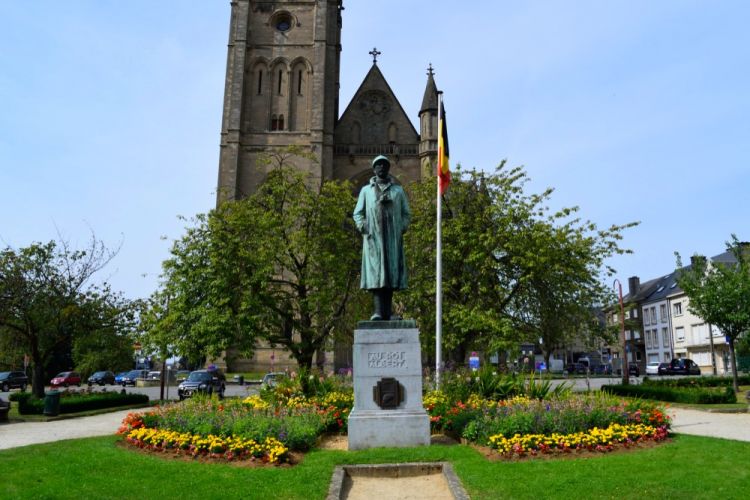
700,423
25,433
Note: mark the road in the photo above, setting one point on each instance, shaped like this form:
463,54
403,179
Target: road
153,392
579,384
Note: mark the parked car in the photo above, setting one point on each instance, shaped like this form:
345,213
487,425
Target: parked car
133,375
653,368
66,379
102,378
9,380
683,366
153,375
576,368
205,381
271,379
663,368
633,370
118,378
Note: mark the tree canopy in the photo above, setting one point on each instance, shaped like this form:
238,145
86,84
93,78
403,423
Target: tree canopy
719,293
512,269
279,266
49,305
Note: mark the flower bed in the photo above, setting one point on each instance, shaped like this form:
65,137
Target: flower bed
595,439
265,427
523,425
229,448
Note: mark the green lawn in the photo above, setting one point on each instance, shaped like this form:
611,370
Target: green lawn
688,467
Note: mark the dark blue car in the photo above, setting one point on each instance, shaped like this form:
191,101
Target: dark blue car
118,378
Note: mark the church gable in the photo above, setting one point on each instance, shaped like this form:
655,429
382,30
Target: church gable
375,117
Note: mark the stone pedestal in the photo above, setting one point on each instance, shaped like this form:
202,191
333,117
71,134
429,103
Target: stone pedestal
387,365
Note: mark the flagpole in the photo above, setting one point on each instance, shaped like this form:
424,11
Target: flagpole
439,269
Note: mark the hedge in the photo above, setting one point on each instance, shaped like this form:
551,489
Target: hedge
29,405
696,395
695,381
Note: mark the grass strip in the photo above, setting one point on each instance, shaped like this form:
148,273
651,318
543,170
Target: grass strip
687,467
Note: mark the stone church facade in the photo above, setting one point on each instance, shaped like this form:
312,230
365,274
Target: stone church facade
282,89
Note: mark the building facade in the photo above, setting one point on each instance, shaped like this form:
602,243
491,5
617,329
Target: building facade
282,89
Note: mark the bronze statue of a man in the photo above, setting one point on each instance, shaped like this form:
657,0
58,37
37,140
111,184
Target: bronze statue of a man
382,215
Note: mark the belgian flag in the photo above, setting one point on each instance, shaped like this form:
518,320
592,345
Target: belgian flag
444,173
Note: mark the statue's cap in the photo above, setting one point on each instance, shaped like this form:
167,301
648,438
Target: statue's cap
379,159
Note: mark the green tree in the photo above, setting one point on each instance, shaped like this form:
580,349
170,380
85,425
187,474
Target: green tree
480,275
719,293
105,329
281,265
512,270
45,296
563,282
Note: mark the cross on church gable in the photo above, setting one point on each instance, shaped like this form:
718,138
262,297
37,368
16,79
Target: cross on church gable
374,53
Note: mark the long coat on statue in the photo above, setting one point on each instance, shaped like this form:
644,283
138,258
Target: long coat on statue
382,215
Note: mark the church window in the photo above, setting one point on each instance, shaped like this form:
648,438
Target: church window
281,122
274,122
299,82
260,81
282,21
279,83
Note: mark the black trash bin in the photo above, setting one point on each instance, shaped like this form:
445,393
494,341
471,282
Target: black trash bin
52,403
240,379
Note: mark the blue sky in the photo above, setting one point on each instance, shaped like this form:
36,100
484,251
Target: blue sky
632,110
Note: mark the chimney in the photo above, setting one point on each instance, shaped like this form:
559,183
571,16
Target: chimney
634,285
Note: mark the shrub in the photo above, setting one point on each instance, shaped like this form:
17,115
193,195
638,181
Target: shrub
77,402
695,381
306,384
491,384
690,395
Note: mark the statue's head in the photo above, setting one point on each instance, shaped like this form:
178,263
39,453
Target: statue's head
381,165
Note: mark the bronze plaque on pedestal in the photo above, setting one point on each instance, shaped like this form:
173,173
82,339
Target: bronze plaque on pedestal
388,393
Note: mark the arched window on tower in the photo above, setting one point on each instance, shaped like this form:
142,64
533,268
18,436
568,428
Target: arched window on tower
274,122
297,115
281,122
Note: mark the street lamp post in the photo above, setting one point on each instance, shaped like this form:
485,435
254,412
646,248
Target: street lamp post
625,374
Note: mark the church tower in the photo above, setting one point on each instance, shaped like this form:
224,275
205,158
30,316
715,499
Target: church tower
428,126
282,86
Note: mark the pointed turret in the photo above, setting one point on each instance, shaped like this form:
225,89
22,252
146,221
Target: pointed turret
428,124
430,99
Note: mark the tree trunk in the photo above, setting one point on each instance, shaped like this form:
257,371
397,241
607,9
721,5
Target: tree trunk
37,379
733,358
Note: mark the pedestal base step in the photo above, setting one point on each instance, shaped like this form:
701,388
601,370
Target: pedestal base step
388,428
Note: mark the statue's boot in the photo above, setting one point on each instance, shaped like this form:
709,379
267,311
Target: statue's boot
387,303
377,303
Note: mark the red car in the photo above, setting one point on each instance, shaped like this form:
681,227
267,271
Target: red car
66,378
